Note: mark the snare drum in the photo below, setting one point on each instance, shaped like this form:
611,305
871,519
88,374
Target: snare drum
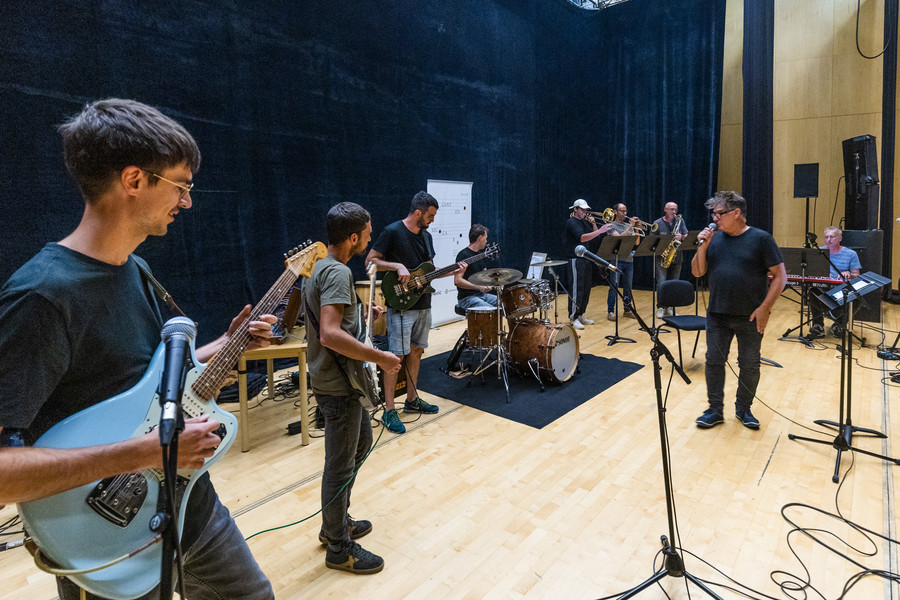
555,347
518,301
482,327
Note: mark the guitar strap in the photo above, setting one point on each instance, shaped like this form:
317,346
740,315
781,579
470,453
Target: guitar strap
161,292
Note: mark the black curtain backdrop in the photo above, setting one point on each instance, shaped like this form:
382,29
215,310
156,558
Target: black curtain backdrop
298,106
757,180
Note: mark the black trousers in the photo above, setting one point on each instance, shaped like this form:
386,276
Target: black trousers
580,286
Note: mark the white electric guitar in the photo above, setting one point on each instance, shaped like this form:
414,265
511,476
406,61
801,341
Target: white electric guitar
98,534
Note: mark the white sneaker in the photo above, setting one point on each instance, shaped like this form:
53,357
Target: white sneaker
585,321
576,324
660,312
611,317
669,312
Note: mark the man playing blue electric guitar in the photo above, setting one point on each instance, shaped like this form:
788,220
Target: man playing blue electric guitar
79,324
406,247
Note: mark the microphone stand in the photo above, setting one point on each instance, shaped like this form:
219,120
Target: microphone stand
609,249
844,439
165,521
673,565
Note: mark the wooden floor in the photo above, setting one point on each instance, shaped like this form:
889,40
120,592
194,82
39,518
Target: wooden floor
466,505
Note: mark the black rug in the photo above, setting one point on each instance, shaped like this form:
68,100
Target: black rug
528,405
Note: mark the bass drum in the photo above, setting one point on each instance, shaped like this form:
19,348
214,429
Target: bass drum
555,347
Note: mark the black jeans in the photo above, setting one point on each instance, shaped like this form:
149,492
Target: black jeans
348,437
720,331
580,290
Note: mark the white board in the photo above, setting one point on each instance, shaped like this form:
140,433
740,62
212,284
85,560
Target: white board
450,233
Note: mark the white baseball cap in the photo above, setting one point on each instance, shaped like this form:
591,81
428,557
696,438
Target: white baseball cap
580,204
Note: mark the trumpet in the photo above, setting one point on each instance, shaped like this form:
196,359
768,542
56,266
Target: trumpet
609,215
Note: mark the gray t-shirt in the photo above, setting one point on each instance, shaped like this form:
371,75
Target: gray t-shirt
620,228
330,283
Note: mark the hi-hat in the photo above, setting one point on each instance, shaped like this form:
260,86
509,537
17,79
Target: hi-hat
496,277
548,263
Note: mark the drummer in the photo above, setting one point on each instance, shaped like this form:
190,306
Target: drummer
469,294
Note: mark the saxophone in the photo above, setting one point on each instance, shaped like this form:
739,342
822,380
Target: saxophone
668,255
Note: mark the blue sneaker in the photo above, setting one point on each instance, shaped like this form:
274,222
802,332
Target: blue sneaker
357,530
710,418
747,418
419,406
392,421
353,558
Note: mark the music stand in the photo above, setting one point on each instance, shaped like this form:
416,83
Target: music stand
652,245
610,249
808,263
844,295
689,242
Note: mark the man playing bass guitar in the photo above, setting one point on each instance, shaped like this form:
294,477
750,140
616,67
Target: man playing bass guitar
401,247
332,306
78,324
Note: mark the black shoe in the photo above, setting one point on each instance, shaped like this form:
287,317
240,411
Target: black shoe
710,418
747,418
815,332
353,558
357,530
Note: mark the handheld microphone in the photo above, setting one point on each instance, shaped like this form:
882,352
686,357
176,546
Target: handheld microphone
178,333
583,252
712,227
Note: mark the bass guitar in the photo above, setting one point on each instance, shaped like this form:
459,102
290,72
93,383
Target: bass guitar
402,296
98,534
363,375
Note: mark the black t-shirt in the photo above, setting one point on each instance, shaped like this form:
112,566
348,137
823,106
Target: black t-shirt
473,268
75,331
398,244
738,269
575,228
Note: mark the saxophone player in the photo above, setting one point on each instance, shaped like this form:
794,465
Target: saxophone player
670,222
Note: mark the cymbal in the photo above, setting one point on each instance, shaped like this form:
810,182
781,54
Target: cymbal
548,263
496,277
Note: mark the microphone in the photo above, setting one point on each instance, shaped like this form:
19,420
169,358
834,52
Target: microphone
811,237
178,333
711,227
583,252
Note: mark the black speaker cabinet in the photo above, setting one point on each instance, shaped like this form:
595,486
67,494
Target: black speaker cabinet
806,180
868,245
861,183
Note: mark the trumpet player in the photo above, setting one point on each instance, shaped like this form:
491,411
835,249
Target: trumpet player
624,273
670,222
580,229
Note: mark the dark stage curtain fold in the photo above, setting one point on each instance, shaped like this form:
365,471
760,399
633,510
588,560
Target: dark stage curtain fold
757,178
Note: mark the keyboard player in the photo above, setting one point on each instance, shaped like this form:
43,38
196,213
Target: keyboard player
847,262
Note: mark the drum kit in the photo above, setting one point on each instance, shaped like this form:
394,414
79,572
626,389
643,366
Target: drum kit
519,333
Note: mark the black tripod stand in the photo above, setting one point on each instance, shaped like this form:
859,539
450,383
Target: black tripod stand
673,565
843,296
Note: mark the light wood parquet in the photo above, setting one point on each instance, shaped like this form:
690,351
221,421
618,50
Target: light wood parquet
466,505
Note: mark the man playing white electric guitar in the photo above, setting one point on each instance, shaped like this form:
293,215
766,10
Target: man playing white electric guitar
78,325
332,311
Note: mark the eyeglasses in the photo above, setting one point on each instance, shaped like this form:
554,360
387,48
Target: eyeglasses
185,189
719,213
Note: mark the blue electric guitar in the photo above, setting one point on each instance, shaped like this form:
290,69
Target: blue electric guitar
85,531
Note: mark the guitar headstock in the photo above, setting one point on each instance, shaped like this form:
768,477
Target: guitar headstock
492,250
302,259
371,270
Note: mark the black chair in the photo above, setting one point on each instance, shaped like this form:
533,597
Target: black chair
677,293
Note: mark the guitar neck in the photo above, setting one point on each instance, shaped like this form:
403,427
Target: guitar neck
210,380
450,268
